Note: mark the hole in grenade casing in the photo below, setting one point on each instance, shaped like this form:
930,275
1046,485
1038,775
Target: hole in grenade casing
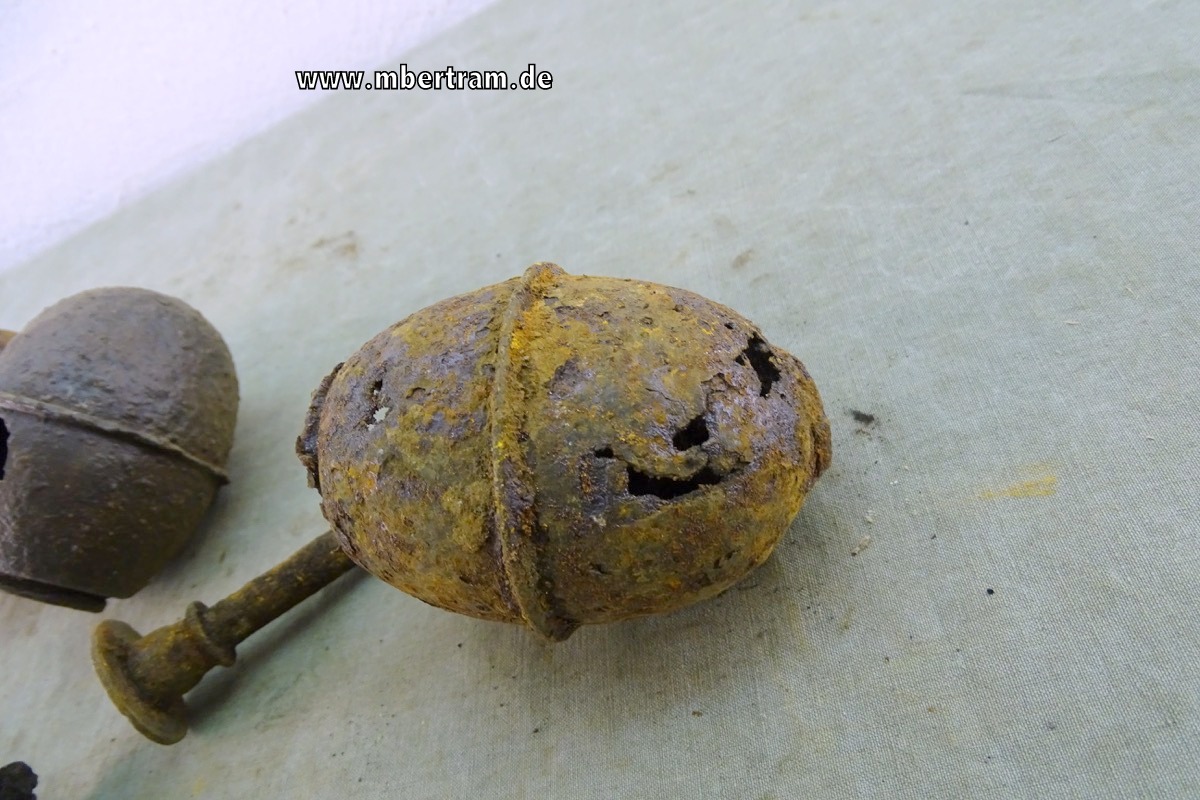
758,355
641,483
692,434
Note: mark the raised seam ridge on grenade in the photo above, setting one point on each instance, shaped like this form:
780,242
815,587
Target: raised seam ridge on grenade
513,495
81,419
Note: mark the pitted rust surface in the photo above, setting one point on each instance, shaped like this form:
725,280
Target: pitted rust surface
117,409
552,450
561,450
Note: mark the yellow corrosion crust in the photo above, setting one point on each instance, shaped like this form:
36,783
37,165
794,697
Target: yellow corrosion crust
560,450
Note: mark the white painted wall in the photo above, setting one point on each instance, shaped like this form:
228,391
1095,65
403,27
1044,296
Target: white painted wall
101,102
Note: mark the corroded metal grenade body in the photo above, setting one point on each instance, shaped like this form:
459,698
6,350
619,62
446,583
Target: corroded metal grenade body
117,410
560,450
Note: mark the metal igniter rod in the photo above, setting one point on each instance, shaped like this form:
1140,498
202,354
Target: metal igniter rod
147,676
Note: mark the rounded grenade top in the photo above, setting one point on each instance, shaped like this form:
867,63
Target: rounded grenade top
562,450
117,414
134,358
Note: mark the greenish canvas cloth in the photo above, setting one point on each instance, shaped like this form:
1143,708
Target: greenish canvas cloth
974,222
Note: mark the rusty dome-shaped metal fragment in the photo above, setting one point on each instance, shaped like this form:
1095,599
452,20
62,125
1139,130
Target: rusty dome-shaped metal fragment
560,450
117,413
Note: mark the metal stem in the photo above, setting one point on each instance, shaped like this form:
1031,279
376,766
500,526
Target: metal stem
147,676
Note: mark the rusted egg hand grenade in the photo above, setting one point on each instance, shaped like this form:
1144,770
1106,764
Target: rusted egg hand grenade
117,410
553,450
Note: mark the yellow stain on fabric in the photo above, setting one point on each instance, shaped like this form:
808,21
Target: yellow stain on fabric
1038,487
